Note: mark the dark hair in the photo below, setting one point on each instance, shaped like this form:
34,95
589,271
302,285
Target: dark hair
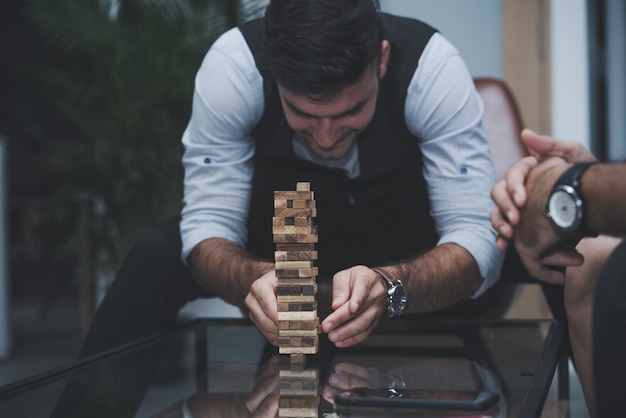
321,46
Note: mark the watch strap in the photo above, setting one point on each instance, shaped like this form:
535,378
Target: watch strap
572,175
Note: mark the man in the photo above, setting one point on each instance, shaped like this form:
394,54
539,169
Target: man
545,205
380,115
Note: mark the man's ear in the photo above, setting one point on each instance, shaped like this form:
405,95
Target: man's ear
384,58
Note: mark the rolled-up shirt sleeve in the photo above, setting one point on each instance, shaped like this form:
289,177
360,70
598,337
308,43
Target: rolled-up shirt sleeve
227,104
445,112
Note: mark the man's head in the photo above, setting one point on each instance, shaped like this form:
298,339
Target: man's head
327,57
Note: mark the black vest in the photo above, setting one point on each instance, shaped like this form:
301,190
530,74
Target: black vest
380,217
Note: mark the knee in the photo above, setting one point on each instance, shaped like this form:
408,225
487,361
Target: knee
611,288
581,283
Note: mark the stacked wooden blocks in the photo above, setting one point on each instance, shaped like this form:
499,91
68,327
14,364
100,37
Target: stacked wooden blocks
295,236
299,393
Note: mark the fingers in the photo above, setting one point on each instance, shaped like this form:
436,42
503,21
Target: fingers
564,258
265,386
509,195
362,295
546,259
262,305
515,180
503,228
545,145
353,329
341,288
544,273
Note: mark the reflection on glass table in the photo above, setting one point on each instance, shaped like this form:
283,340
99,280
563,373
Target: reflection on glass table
224,368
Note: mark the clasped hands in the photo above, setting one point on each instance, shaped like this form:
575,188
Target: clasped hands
521,197
358,304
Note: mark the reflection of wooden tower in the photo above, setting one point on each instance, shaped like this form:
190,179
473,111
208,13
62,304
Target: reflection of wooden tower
299,392
295,237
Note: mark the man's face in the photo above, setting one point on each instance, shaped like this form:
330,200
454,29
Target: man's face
330,125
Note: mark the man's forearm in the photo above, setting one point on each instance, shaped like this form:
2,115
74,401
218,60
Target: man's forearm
604,189
226,269
438,278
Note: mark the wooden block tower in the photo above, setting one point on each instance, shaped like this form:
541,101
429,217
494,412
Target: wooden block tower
295,236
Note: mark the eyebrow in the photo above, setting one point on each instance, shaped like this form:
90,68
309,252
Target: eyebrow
353,110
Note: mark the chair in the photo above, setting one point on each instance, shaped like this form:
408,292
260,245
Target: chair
502,122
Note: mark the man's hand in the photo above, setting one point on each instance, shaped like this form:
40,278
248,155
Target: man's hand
536,240
265,394
358,302
348,376
538,246
262,306
510,194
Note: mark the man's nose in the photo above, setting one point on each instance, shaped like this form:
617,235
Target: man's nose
326,135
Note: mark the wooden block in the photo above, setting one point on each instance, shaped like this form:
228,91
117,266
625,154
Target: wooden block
297,316
296,281
297,412
304,402
296,306
302,204
296,298
297,272
296,374
303,186
295,238
295,255
298,350
289,342
294,229
298,386
282,203
297,221
304,325
301,307
294,325
301,220
295,332
298,341
295,247
295,290
294,195
309,290
295,212
282,290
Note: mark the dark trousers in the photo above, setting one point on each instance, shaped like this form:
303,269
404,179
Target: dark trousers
151,286
609,335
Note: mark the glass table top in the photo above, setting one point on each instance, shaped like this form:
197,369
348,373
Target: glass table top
224,368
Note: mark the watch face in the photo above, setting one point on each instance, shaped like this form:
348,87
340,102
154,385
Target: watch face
563,208
397,298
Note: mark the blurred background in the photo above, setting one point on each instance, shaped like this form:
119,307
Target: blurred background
95,95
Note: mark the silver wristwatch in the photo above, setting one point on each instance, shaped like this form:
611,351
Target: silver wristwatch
396,298
566,205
